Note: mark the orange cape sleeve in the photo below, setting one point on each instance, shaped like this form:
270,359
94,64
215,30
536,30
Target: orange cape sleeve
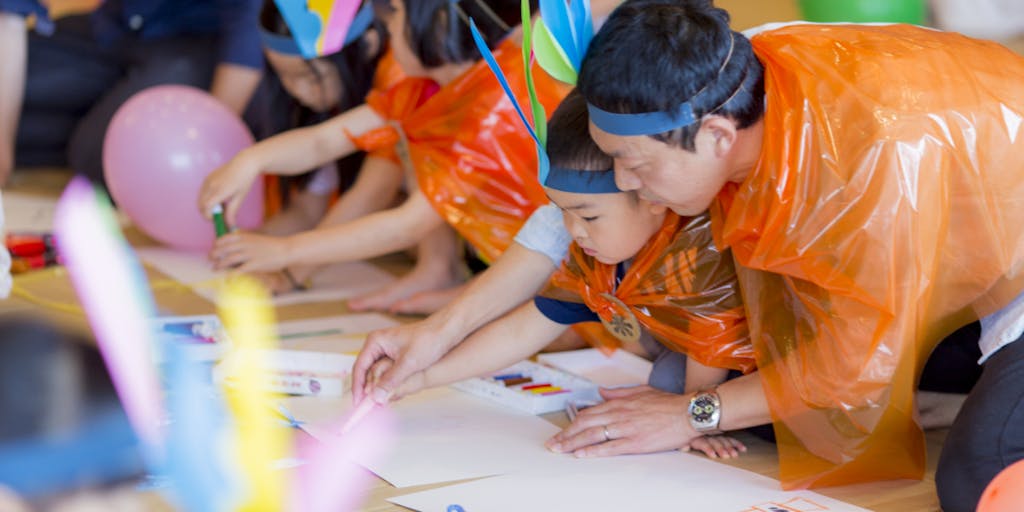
884,212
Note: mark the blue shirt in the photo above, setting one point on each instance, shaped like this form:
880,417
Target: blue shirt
234,21
569,313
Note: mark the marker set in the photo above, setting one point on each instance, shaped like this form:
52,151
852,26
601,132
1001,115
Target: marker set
203,336
531,387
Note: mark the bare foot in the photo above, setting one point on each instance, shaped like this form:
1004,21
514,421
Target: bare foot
425,303
938,410
275,282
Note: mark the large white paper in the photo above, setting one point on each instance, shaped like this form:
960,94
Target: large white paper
622,368
339,334
670,481
335,282
444,435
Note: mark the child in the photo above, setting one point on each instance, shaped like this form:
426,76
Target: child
619,268
303,92
472,173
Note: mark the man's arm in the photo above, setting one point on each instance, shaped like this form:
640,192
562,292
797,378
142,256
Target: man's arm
234,85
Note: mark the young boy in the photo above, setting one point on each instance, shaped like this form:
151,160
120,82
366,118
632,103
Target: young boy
617,233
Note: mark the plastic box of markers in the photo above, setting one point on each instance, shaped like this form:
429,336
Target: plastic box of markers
531,387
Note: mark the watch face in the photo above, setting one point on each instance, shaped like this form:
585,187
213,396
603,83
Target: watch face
702,410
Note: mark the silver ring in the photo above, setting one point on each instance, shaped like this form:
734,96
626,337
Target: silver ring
607,436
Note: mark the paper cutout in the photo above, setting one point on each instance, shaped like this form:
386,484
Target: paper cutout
318,26
550,56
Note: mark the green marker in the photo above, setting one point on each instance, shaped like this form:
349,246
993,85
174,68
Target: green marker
218,221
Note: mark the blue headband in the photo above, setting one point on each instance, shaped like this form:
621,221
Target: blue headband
289,46
581,182
651,123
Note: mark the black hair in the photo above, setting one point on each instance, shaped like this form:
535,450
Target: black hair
438,30
653,55
355,63
569,145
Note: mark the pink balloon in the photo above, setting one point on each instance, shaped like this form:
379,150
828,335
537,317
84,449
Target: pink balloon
159,147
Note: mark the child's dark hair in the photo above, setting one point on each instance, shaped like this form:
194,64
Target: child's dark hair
569,145
438,30
355,63
653,55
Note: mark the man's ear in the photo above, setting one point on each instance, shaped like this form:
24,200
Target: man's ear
720,134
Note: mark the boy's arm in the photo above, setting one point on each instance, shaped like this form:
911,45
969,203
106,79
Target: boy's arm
700,377
513,278
506,341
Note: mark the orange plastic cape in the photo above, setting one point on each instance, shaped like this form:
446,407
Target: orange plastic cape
884,212
473,159
680,287
395,95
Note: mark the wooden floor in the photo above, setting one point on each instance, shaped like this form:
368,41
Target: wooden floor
899,496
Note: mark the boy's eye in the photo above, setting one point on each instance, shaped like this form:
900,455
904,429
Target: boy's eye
589,219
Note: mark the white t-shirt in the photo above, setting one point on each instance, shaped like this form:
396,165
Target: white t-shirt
545,233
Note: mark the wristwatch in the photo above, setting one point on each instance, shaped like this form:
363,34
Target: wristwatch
705,411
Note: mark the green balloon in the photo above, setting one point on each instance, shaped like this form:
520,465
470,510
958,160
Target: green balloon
864,11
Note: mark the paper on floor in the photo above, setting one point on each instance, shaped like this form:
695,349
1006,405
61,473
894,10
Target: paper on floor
444,435
622,368
671,481
335,282
339,334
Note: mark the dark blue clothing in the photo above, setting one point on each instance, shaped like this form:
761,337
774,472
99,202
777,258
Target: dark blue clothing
120,22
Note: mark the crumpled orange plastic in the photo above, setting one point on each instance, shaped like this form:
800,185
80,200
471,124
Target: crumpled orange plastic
679,287
473,159
884,212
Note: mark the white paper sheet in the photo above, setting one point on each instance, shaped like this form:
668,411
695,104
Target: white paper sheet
335,282
25,213
621,369
340,334
670,481
444,435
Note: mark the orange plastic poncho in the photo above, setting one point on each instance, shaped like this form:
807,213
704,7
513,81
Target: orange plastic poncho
473,159
680,287
884,212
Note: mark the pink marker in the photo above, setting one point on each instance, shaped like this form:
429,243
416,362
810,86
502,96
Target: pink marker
358,414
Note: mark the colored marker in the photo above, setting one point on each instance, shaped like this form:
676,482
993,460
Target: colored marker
218,221
361,411
311,334
556,392
540,391
535,386
508,376
516,382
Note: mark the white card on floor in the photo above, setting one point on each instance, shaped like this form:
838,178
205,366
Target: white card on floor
444,435
670,480
622,368
24,213
335,282
339,334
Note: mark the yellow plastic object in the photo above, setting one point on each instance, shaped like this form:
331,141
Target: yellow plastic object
680,287
884,212
258,443
473,159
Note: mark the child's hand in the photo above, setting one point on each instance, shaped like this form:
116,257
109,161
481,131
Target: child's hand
414,383
228,185
717,447
249,252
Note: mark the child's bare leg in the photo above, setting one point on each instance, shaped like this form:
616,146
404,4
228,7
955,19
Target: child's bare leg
438,266
428,302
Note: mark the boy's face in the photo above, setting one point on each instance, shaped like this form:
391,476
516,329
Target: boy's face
610,227
684,181
315,84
